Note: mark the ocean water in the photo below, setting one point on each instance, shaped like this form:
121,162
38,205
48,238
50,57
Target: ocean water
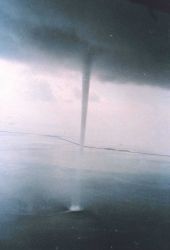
124,198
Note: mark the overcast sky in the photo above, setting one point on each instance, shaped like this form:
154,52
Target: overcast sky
42,46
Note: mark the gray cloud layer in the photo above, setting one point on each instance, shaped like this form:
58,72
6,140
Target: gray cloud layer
129,44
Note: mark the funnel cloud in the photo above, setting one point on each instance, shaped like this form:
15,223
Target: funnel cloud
85,94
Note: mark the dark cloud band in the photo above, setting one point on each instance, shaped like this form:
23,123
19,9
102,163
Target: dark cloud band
128,43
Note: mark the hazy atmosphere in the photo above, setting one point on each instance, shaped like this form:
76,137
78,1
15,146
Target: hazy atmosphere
41,50
94,74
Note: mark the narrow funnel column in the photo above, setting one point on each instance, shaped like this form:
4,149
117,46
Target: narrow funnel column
85,95
76,199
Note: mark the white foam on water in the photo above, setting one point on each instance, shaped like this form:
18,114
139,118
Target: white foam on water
75,208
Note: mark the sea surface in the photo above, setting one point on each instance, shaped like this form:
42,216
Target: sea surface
124,198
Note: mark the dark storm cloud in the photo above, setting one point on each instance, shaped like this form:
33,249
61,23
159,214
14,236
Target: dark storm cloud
128,42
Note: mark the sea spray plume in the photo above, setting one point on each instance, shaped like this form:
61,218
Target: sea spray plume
85,93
